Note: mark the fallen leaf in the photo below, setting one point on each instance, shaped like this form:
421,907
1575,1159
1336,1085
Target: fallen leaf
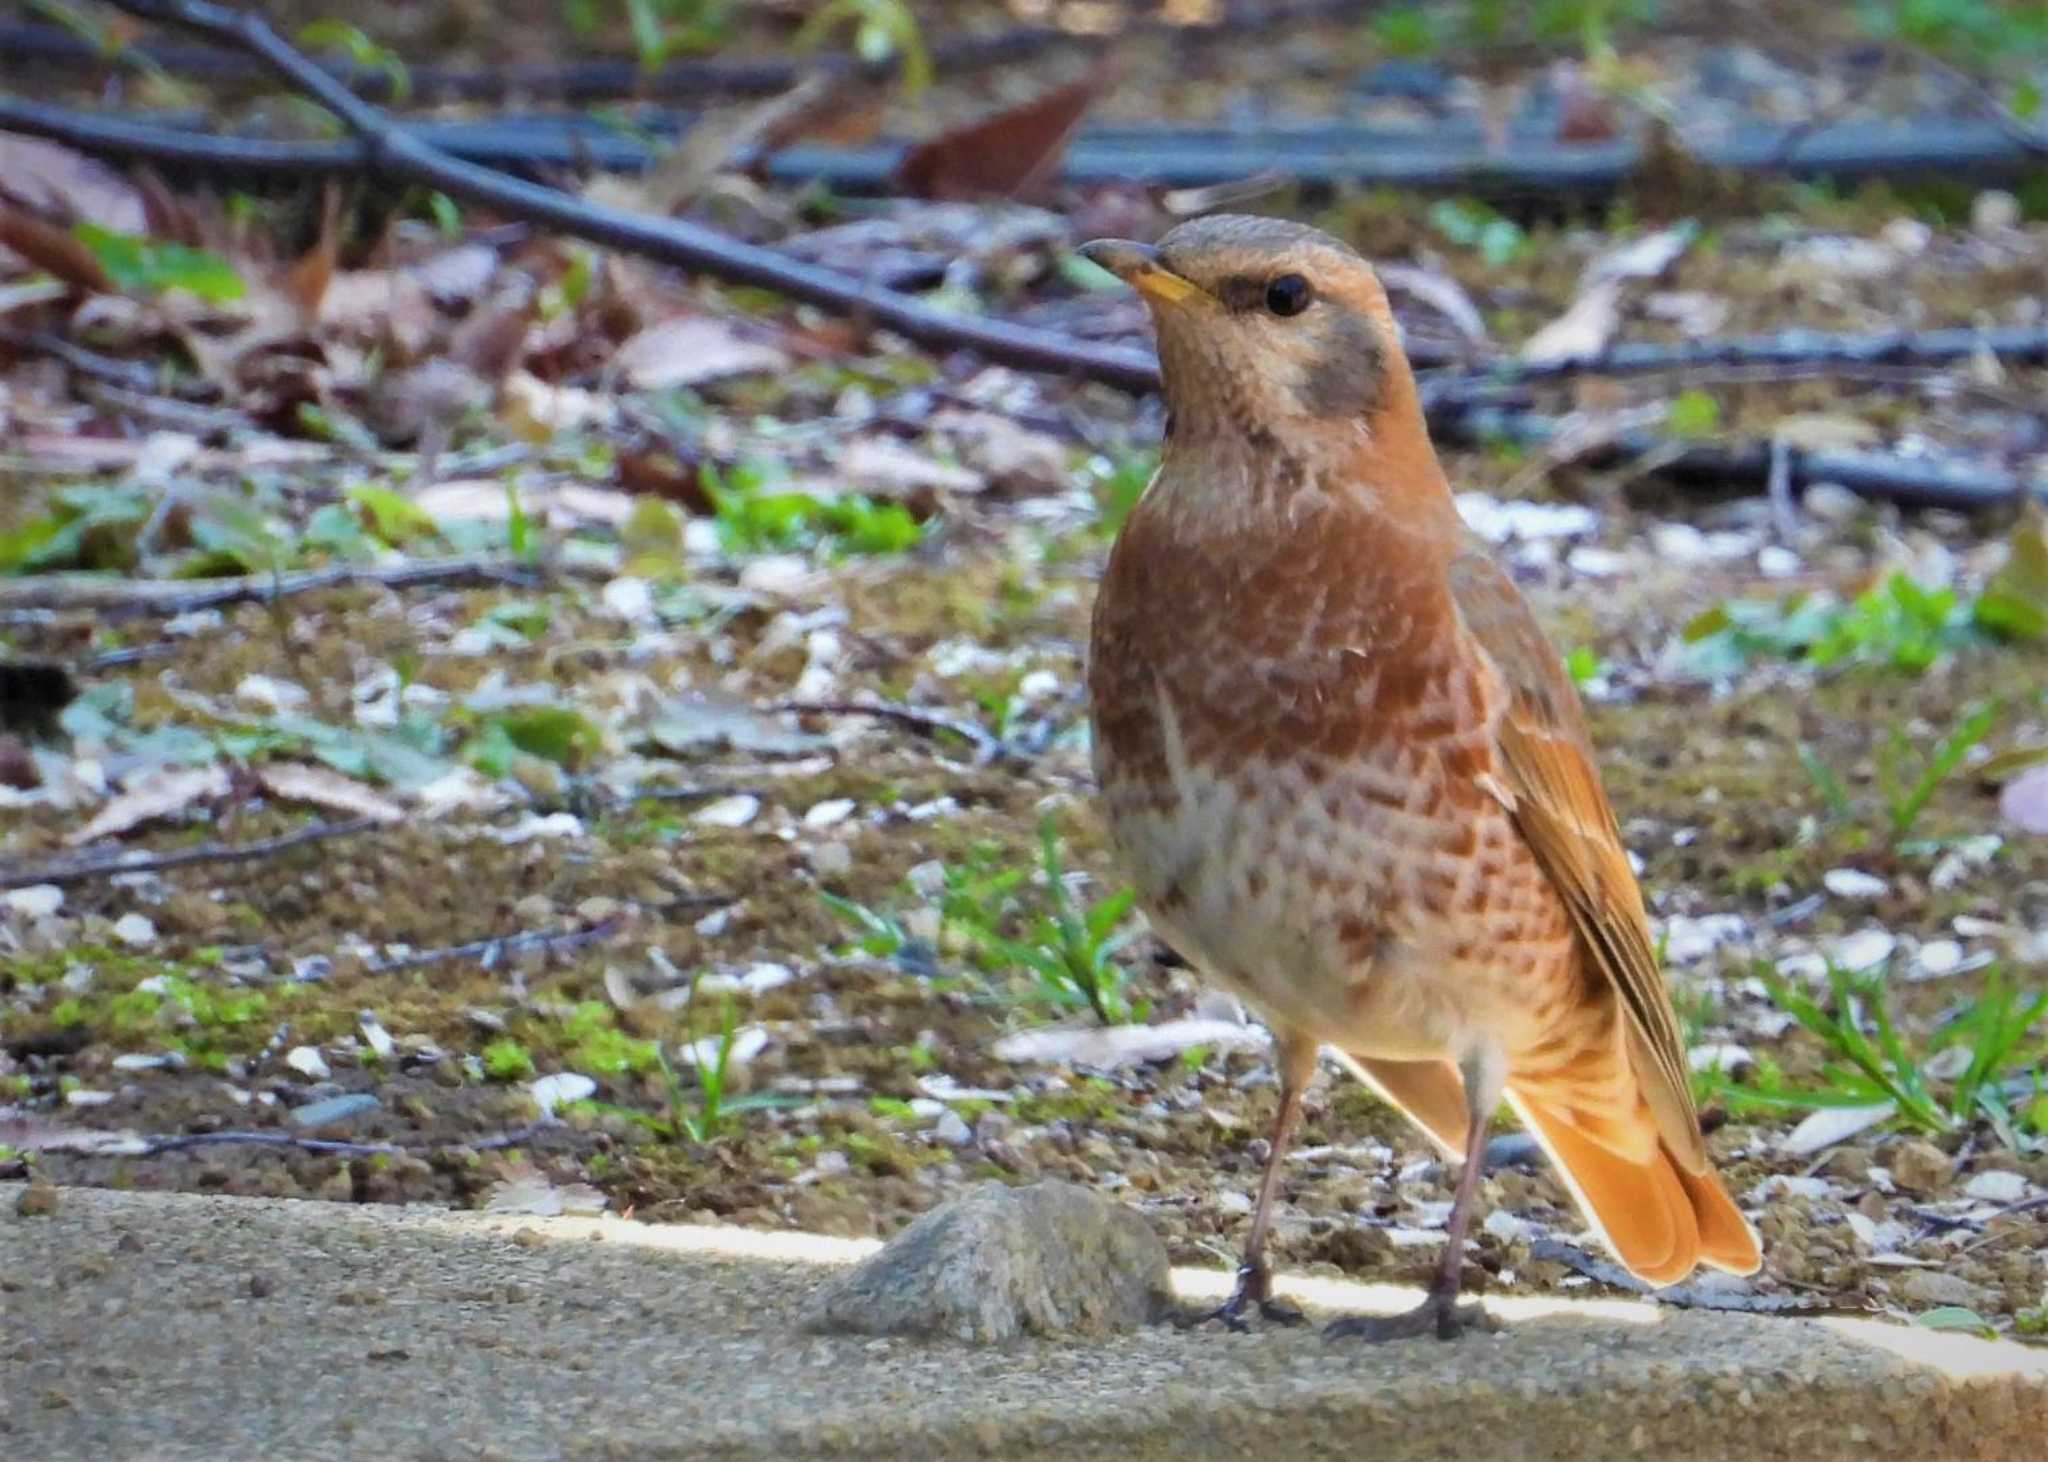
1008,153
321,787
161,793
1441,293
1830,1125
1581,331
523,1188
1108,1047
883,467
1644,258
689,349
62,184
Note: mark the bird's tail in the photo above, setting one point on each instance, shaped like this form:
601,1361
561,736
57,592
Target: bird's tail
1661,1220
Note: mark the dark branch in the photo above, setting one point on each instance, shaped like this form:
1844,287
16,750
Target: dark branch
81,870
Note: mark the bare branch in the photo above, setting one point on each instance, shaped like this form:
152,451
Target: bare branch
82,870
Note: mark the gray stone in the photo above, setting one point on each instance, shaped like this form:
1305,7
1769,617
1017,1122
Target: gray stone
998,1263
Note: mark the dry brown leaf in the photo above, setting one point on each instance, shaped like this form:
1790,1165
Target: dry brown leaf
161,793
1006,154
386,307
324,787
692,348
305,283
883,467
52,249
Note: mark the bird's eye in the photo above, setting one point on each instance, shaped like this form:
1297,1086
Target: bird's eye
1288,295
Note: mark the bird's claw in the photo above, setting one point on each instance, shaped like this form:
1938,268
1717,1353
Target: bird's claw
1254,1291
1440,1315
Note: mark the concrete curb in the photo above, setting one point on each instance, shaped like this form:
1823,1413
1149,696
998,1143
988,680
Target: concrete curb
174,1326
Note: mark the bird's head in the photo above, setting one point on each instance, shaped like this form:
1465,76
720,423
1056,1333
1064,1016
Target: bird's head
1266,328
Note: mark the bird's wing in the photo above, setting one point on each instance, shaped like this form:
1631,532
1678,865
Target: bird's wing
1551,789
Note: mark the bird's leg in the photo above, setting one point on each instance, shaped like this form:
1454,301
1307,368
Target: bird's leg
1440,1313
1296,1063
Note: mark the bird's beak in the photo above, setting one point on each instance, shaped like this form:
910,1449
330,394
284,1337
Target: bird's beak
1138,266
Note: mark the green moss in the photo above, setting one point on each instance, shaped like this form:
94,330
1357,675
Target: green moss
506,1060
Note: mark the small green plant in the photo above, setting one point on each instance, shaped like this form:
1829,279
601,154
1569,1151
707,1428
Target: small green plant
1409,32
339,35
1118,484
1900,624
1693,414
1583,665
1471,224
881,29
1905,799
753,519
1904,790
1006,921
703,1117
1071,950
1872,1064
155,266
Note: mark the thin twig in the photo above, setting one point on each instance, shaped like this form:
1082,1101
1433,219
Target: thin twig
986,747
1927,482
388,150
491,952
82,870
171,597
1446,388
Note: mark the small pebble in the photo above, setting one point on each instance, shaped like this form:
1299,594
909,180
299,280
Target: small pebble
37,901
952,1129
261,1286
334,1110
825,814
135,930
1864,949
559,1090
735,811
1853,883
1997,1185
37,1200
1922,1167
308,1062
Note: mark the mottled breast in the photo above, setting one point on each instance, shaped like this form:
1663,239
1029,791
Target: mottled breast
1291,734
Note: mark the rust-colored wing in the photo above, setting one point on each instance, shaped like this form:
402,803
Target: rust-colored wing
1554,793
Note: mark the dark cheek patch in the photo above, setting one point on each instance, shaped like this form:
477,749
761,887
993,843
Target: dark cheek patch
1348,372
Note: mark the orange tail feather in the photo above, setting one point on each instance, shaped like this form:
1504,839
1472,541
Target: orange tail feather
1660,1220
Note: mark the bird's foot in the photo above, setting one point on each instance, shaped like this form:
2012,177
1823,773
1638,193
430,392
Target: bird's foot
1254,1292
1440,1315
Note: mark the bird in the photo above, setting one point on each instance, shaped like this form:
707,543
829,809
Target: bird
1352,781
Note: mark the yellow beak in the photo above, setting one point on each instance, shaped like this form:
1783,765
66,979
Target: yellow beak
1138,266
